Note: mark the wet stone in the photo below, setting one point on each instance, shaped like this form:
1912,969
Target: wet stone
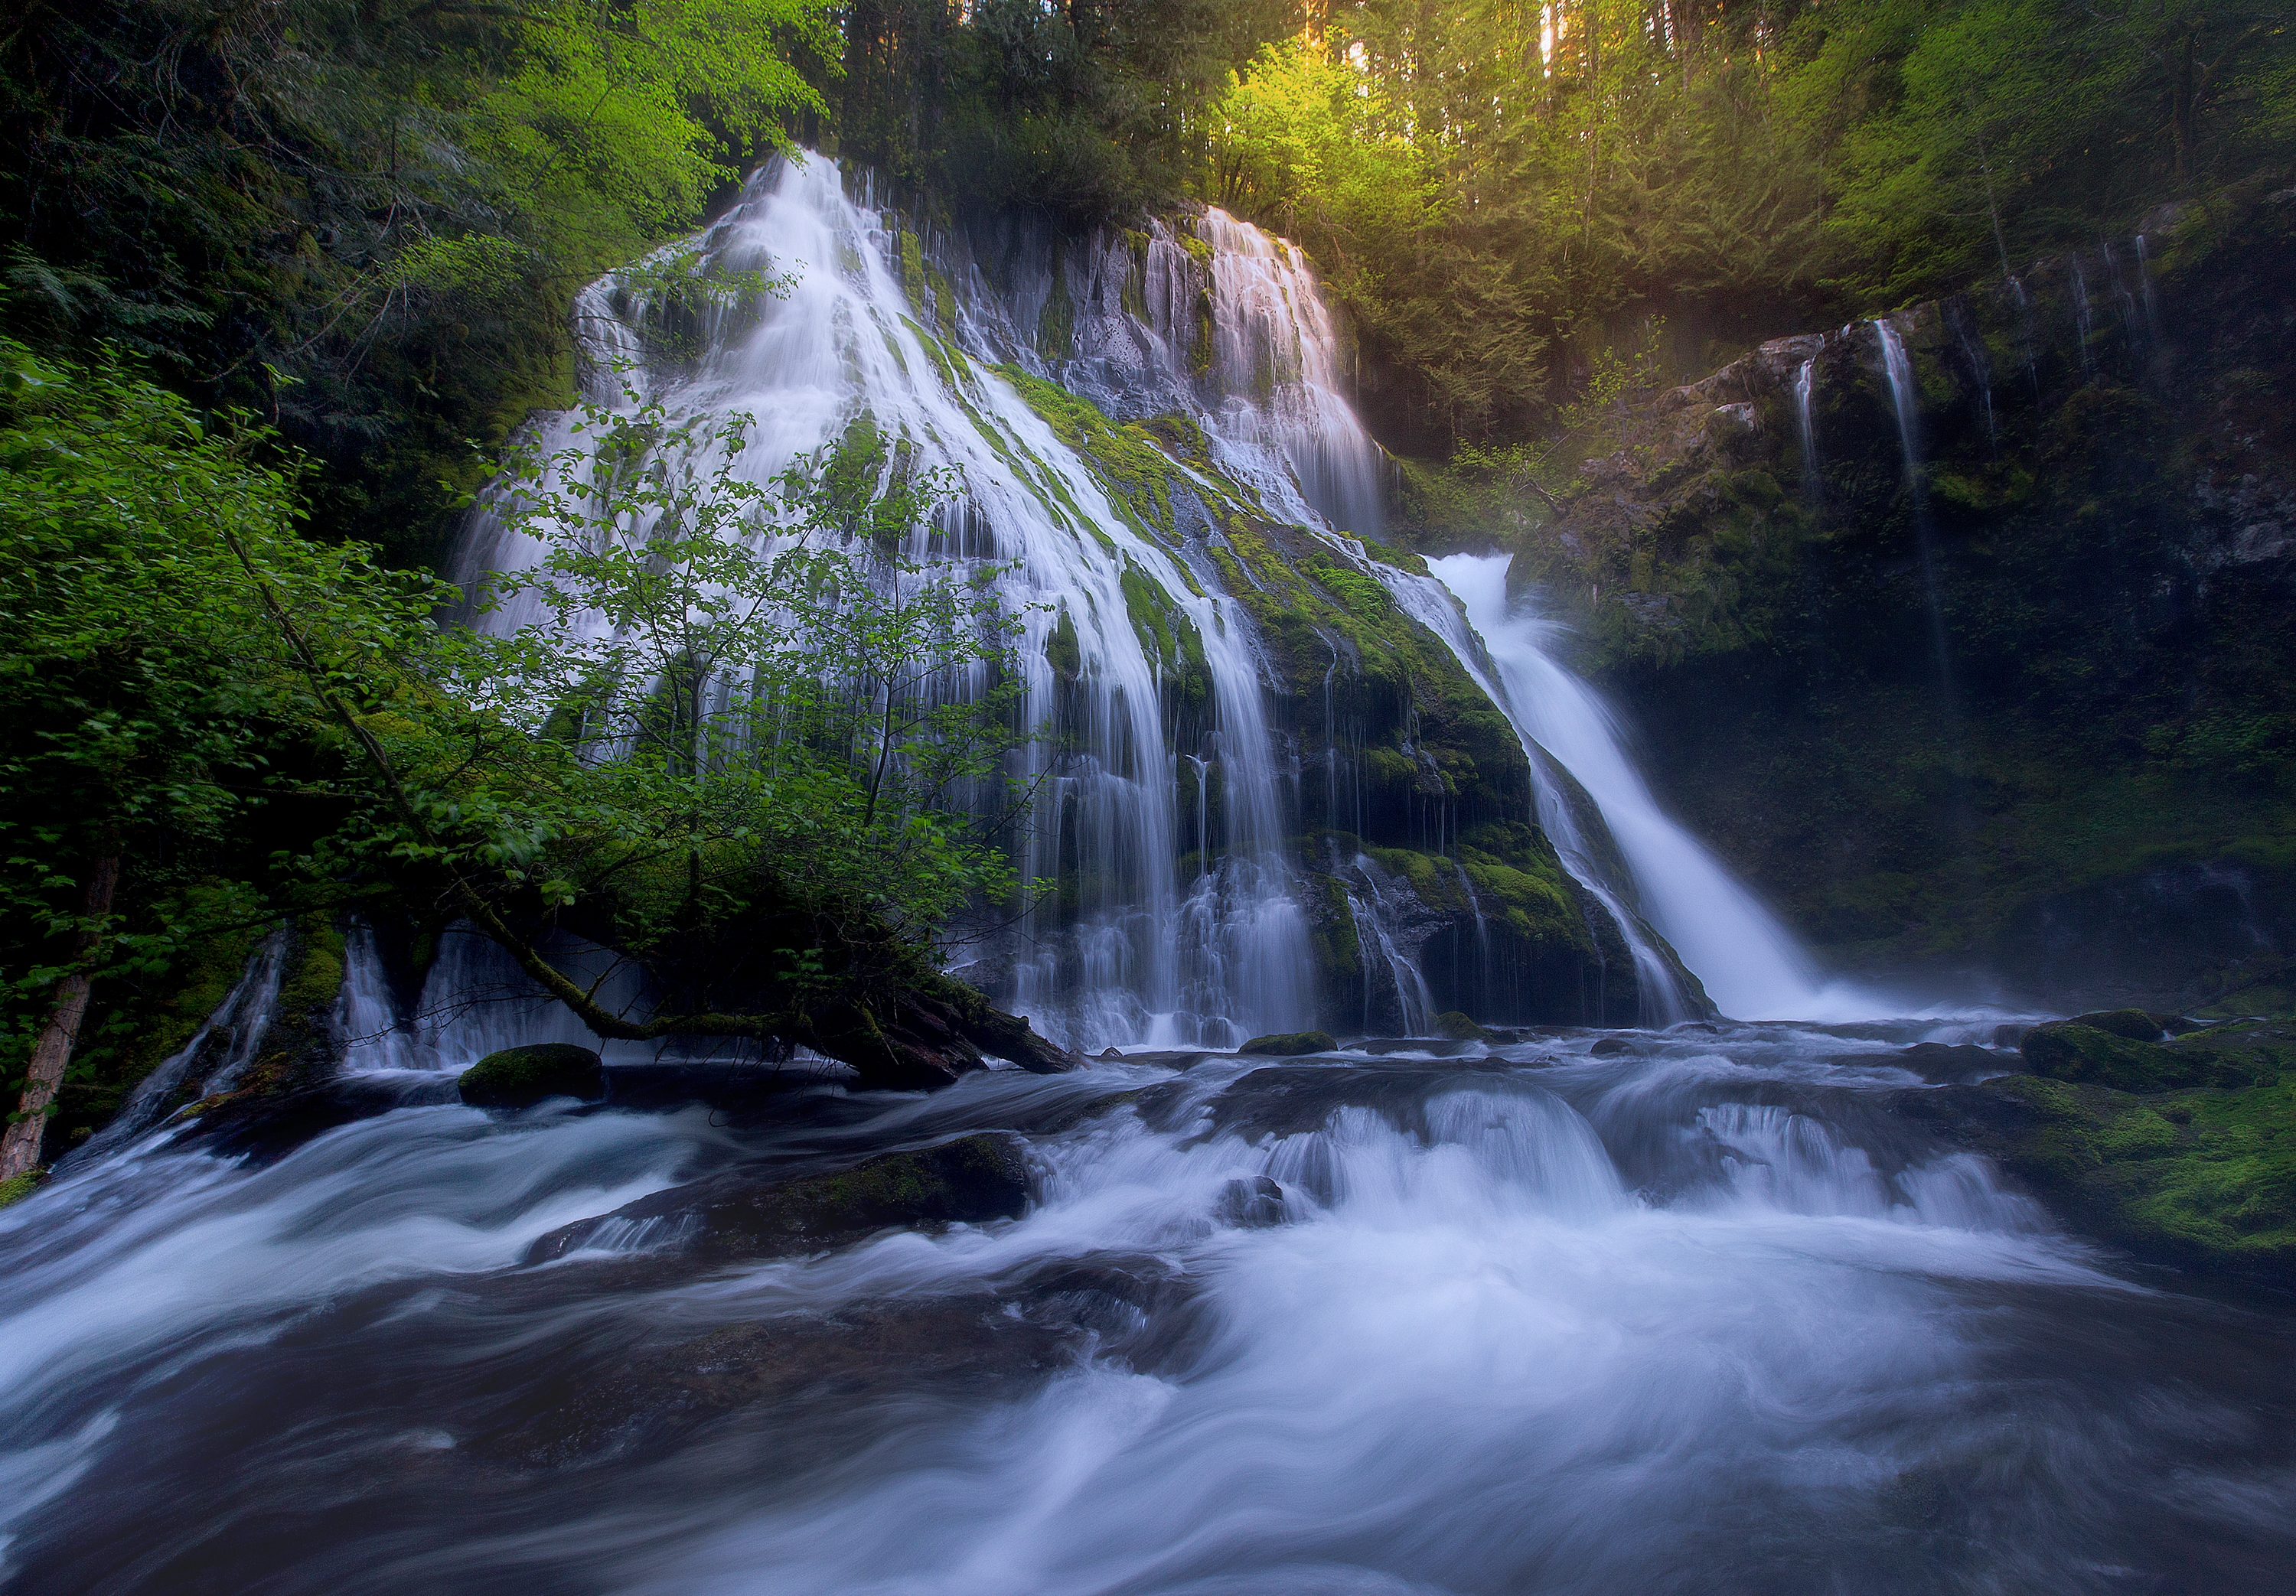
744,1214
518,1078
1291,1045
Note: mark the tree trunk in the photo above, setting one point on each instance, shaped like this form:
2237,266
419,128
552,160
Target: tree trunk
20,1151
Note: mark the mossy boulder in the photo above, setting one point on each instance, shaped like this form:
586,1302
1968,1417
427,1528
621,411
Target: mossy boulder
518,1078
1291,1045
2077,1049
742,1214
1459,1028
2203,1178
2133,1025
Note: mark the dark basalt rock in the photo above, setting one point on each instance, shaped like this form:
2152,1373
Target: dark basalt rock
1286,1100
518,1078
1291,1045
264,1127
742,1215
2134,1025
1610,1047
1253,1204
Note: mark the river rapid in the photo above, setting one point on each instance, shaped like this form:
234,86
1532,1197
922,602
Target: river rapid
1690,1310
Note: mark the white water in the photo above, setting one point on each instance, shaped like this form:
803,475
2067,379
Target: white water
1435,604
1804,392
1748,963
1144,956
1701,1318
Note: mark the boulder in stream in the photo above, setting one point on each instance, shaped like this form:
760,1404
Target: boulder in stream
518,1078
1291,1045
745,1214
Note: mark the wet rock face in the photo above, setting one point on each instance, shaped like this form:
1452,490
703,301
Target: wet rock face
1916,705
1291,1045
518,1078
742,1215
657,1394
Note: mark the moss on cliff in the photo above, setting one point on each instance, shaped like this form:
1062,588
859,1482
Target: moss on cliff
2094,790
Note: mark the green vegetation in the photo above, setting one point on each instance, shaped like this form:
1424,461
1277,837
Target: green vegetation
1498,190
2195,1177
366,219
518,1078
232,723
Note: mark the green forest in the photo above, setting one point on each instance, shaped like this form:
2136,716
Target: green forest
280,280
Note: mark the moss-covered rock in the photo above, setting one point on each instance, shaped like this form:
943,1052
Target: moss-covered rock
742,1215
518,1078
2075,1050
1459,1028
2091,792
2203,1178
17,1187
1291,1045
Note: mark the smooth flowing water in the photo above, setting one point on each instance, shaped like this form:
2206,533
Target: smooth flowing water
1805,394
1139,953
1701,1311
1749,964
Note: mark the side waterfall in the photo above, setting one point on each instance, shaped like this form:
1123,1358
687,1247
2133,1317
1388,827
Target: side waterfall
1748,963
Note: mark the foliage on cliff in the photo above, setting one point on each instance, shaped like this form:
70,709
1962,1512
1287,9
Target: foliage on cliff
259,723
1497,189
2089,780
365,220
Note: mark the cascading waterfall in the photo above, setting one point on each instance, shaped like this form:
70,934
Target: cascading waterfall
2130,318
2144,285
1980,367
1748,963
1722,1308
1435,604
2081,313
1142,956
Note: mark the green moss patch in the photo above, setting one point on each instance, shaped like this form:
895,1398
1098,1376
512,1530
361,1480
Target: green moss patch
518,1078
2205,1177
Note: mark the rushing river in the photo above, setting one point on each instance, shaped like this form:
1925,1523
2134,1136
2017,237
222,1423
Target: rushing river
1692,1312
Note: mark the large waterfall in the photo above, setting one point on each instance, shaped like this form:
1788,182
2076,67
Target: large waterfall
1726,1306
1141,956
1225,325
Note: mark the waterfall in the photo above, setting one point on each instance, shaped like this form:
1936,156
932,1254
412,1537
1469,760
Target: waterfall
1277,359
2145,285
1748,963
1135,955
218,1052
1905,399
2081,313
1805,389
1966,339
1580,840
2130,321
